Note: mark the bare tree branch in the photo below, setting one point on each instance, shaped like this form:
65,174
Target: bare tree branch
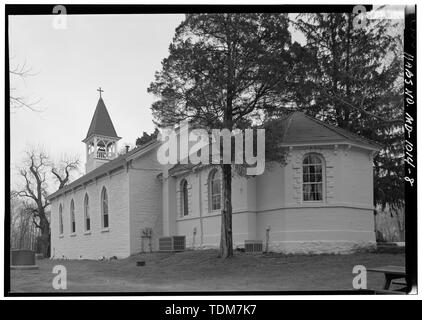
22,72
34,188
63,169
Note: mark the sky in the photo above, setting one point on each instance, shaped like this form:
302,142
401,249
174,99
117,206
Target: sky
120,54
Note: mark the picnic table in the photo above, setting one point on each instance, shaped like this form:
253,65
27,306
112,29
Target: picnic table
391,273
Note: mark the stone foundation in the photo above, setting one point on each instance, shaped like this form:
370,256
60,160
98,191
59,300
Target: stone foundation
305,247
321,247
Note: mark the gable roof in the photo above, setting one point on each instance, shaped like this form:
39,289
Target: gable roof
101,122
298,128
107,167
179,169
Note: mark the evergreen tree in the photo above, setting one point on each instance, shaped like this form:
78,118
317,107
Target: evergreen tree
353,78
223,70
147,137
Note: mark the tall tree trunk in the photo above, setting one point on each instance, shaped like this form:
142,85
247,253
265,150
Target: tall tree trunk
45,237
226,244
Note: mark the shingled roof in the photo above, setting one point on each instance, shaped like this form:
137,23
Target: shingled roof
299,128
101,122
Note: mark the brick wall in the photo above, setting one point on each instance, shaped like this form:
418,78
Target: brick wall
98,242
342,222
145,201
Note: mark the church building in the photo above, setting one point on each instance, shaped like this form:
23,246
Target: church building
319,201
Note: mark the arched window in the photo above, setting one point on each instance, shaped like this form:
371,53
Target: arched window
184,198
87,218
312,178
72,217
104,208
60,219
214,187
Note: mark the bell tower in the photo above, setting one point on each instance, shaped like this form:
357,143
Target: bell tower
101,139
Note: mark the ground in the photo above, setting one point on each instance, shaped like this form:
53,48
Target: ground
203,271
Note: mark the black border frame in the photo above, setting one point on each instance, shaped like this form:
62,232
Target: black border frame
410,192
411,195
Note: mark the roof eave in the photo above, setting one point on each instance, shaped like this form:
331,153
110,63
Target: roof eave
86,178
145,149
313,143
99,135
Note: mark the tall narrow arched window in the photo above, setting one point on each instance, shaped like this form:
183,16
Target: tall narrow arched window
214,187
104,208
312,177
87,218
184,198
60,219
72,217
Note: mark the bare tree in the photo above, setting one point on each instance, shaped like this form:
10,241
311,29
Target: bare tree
35,173
23,233
22,72
62,170
18,222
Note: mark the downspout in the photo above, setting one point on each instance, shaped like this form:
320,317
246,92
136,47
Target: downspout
201,225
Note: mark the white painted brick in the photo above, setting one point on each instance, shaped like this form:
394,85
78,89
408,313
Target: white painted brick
145,201
115,242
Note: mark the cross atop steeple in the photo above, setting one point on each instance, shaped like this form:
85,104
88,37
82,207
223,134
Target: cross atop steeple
99,90
101,139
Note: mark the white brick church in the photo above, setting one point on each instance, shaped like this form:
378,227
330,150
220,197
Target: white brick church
321,200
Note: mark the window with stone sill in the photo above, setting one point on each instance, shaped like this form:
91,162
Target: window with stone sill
312,178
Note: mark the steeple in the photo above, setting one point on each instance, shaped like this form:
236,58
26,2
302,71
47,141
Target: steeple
101,139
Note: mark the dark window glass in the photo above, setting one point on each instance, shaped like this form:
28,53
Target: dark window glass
312,178
185,203
72,217
104,206
86,213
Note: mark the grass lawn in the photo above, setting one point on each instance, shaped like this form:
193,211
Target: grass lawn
203,271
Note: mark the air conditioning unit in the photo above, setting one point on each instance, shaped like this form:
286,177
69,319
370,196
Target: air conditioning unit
172,243
253,246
